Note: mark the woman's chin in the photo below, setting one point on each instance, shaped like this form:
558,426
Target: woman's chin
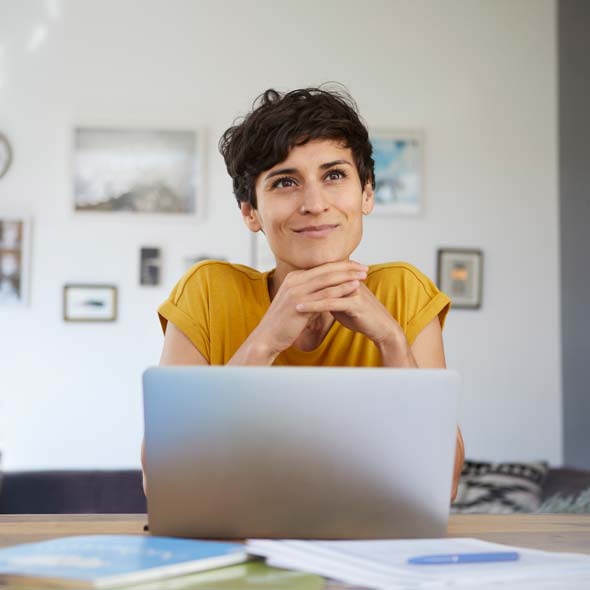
313,260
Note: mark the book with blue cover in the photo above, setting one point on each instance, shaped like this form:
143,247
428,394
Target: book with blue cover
106,561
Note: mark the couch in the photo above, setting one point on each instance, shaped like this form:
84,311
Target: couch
120,491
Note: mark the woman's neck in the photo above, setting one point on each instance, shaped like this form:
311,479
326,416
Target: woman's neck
276,278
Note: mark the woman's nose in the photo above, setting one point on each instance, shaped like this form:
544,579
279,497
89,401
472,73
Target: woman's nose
313,199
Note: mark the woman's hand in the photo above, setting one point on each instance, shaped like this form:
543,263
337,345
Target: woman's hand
284,322
362,312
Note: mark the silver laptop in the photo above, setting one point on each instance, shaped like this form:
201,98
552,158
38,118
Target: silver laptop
293,452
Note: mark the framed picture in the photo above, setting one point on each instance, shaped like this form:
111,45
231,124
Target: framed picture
262,257
460,276
137,171
399,172
90,303
14,259
150,266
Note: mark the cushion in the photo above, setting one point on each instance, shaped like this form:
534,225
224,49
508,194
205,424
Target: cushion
500,488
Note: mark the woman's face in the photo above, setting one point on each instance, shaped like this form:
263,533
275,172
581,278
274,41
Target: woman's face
310,206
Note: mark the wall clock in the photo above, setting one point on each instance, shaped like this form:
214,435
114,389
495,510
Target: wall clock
5,155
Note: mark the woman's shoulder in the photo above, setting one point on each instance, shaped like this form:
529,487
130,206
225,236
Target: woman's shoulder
399,274
221,268
218,271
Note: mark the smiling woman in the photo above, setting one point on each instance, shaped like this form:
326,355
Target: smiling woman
310,207
303,174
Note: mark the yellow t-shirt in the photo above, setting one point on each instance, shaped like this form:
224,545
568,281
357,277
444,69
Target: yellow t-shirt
217,305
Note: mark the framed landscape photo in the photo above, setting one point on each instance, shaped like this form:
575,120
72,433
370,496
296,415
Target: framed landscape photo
139,171
14,259
399,172
460,276
90,303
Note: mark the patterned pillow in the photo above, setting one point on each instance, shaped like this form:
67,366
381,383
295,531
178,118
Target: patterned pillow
500,488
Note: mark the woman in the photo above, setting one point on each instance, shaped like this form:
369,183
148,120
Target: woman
303,174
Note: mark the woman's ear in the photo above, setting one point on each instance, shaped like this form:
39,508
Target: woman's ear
250,217
368,198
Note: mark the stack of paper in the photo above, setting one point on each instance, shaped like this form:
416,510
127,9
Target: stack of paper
383,564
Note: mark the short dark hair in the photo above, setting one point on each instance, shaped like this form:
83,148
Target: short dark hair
280,121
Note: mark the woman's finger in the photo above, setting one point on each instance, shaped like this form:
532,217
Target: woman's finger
316,284
332,304
339,290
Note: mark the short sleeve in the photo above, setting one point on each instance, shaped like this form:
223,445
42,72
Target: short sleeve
187,307
424,302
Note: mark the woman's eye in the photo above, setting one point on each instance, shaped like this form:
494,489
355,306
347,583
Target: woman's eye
335,175
284,182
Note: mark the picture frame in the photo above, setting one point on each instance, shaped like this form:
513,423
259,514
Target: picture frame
460,275
138,171
262,256
15,256
89,303
399,171
150,266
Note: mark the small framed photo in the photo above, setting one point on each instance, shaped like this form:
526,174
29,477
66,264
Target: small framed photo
399,172
138,171
460,275
150,266
90,303
14,259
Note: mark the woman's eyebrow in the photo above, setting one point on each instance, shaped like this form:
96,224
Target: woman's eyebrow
334,163
280,171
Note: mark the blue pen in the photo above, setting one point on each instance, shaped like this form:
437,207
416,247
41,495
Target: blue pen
463,558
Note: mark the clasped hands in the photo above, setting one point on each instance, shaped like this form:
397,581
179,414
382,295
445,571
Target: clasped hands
337,288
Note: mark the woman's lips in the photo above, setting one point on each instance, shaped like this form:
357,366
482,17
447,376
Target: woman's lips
316,231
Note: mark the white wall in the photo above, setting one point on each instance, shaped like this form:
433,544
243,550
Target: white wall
478,76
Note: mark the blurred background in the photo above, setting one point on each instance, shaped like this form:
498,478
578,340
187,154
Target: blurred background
481,81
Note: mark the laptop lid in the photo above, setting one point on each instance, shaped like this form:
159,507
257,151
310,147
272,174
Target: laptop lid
297,452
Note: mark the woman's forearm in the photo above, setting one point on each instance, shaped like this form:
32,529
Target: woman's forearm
254,351
396,352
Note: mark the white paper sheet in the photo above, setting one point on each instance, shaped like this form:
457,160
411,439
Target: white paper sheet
384,564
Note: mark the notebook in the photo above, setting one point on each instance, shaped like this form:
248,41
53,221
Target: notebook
106,561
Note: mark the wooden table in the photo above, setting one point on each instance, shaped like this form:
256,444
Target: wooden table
557,532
